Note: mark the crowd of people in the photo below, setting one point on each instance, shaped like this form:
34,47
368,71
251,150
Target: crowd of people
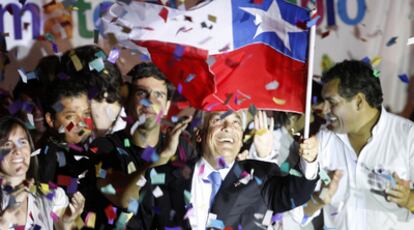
78,153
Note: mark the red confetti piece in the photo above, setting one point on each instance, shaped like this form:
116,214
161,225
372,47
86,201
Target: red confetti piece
164,14
70,126
63,180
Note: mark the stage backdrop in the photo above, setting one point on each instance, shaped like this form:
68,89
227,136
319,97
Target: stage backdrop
377,29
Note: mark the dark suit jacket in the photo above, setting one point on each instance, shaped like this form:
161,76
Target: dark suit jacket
235,203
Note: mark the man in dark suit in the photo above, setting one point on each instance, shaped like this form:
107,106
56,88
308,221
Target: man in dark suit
216,191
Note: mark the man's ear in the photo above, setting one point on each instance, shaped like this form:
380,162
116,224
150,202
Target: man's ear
359,101
49,119
167,107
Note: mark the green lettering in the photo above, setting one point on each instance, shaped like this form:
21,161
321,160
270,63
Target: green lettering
83,30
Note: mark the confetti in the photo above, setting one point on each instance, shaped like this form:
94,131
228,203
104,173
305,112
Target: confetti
54,216
190,77
366,60
410,41
277,217
73,186
157,178
312,22
267,219
180,88
61,158
97,64
110,213
215,224
131,167
227,113
141,181
392,41
221,163
212,18
187,197
113,55
133,206
164,14
127,143
157,192
70,126
278,101
285,167
404,78
272,85
90,219
147,154
122,151
108,189
179,51
22,75
376,60
76,62
324,176
376,73
295,172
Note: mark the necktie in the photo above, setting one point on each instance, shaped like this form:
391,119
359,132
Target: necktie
215,180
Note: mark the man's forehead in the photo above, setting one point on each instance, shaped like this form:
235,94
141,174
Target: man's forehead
225,114
330,88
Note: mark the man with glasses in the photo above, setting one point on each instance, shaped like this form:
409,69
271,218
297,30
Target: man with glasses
124,155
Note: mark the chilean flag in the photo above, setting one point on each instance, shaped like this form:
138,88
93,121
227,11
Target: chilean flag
222,54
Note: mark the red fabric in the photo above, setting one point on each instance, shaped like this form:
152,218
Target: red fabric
236,80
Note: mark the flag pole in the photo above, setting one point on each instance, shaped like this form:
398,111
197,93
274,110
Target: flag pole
311,54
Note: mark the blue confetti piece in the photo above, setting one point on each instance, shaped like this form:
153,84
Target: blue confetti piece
121,151
113,55
190,77
55,48
216,224
312,22
404,78
212,105
292,203
174,119
144,58
173,228
46,149
366,60
392,41
285,167
305,218
61,159
147,154
180,88
97,65
227,113
73,186
31,75
145,102
133,206
221,163
179,51
100,54
277,217
258,180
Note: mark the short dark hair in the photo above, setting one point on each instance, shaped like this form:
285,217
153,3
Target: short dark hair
354,77
149,69
7,125
61,89
105,83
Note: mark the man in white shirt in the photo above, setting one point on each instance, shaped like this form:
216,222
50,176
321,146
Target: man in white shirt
249,194
375,192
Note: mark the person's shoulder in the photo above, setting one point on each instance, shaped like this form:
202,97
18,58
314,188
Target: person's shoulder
399,123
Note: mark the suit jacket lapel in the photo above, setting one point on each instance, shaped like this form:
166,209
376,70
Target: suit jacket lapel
227,195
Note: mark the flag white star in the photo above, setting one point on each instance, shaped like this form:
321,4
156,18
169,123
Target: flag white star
272,21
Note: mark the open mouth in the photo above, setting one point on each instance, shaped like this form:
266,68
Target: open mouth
17,160
226,140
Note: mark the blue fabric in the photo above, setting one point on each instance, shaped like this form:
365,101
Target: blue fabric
215,180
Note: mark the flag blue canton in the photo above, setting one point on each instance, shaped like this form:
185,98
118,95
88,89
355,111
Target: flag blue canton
246,24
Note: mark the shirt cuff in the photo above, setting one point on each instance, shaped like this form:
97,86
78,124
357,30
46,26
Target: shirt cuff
310,170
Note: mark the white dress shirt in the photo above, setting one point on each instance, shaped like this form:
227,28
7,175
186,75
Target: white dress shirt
354,206
201,192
